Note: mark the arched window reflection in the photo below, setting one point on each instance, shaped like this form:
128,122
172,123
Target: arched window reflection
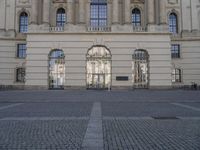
136,17
56,69
60,17
173,23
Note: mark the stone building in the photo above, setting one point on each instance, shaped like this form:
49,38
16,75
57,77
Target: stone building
99,44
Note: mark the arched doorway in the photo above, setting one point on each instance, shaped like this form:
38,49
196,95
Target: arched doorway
98,68
56,69
140,69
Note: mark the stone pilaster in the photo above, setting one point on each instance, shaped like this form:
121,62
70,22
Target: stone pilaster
46,11
70,13
115,12
2,14
151,12
34,12
194,14
163,15
127,12
82,11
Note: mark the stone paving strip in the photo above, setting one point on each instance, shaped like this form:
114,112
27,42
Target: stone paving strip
189,118
42,118
10,106
186,106
93,139
127,118
150,118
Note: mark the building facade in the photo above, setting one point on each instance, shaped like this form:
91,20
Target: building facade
99,44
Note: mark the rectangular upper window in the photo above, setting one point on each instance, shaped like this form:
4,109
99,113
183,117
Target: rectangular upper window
175,51
98,13
20,75
21,50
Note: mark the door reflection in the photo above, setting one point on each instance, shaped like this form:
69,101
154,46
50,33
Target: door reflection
56,69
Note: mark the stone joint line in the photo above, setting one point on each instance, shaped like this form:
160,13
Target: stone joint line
42,118
186,106
10,106
93,139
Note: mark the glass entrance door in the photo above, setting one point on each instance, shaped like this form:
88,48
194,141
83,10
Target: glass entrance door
56,70
140,69
98,68
98,81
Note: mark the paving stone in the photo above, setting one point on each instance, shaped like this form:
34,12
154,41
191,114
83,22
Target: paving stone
39,135
131,109
4,104
70,109
58,120
196,105
83,95
151,135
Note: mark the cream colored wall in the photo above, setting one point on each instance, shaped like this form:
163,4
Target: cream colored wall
2,14
189,61
75,47
8,62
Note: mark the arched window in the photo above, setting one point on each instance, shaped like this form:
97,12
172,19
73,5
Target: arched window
56,69
136,17
23,22
60,17
98,13
173,23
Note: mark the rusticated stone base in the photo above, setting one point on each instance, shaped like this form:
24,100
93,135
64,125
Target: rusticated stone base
31,87
113,88
11,87
75,88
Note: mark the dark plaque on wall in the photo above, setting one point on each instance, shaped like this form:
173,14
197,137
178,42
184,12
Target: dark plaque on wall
122,78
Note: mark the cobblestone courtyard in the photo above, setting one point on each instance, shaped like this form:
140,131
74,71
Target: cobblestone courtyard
97,120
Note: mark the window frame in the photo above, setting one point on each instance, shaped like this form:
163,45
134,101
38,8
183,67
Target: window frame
24,49
21,70
175,51
23,22
61,17
101,11
136,12
176,72
173,23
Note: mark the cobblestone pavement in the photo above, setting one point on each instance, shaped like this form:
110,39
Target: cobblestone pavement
38,134
97,120
69,109
151,134
82,95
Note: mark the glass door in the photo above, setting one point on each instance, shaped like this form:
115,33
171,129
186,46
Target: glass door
140,69
56,70
98,68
